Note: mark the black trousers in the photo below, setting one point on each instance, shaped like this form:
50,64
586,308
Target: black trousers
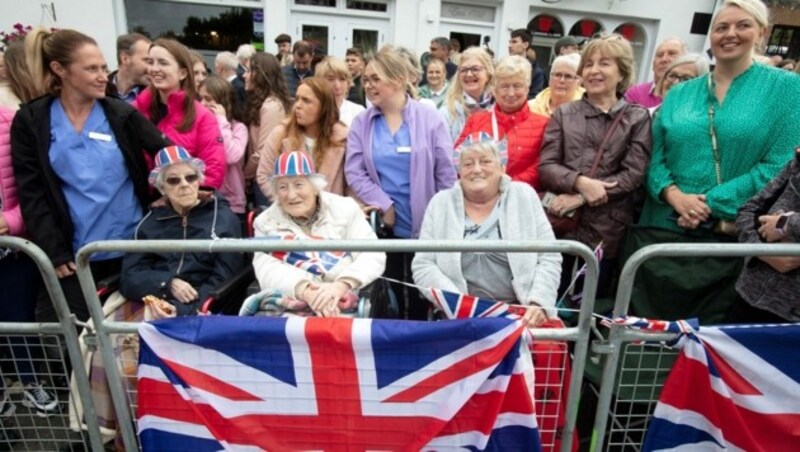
72,289
605,282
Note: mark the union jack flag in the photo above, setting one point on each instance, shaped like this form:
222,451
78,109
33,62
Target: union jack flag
732,388
458,306
315,262
249,383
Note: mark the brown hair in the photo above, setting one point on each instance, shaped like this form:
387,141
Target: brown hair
223,93
19,78
328,118
266,79
43,47
184,59
126,42
619,49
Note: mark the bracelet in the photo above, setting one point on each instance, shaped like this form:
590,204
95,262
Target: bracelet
583,200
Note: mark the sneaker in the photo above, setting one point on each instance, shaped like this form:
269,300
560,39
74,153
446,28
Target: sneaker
35,396
6,406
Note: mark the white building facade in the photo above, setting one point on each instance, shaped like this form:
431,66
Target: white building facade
339,24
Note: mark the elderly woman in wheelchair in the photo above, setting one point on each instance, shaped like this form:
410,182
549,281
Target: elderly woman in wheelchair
310,283
182,281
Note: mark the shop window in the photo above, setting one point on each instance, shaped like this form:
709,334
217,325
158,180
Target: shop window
784,41
197,26
367,6
366,40
586,28
325,3
632,32
545,25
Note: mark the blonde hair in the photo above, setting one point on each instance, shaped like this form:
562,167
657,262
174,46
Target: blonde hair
616,47
336,67
455,95
755,8
391,66
43,47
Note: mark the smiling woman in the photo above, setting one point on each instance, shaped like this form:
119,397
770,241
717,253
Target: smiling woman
53,137
170,102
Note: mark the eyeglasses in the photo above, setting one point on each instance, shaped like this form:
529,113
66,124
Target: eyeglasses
176,180
563,76
370,81
472,69
516,87
673,77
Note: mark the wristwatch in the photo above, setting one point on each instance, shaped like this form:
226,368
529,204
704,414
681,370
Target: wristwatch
781,224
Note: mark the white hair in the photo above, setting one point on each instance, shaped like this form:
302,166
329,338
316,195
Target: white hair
226,60
245,52
161,177
317,181
513,66
573,60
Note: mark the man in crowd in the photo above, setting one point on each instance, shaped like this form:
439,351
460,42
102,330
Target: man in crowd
644,93
284,43
302,53
566,45
354,58
440,48
244,53
518,45
225,65
131,75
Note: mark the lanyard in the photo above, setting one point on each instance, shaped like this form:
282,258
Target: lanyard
495,134
712,131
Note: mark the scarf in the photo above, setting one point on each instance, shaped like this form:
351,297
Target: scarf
486,100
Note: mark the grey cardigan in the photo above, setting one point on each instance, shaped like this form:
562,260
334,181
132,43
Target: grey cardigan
536,276
759,284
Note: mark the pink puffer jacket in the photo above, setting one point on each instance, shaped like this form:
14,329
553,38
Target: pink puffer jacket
8,185
203,140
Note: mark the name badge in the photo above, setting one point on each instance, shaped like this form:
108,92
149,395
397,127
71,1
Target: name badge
99,136
403,149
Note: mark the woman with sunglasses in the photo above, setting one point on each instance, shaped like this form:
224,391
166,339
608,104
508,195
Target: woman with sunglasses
182,279
78,158
565,86
717,141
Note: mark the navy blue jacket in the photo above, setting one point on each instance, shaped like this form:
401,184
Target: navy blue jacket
151,273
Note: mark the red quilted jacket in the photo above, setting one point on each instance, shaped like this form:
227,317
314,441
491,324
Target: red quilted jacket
523,130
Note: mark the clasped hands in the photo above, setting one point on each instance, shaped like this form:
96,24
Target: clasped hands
768,232
324,298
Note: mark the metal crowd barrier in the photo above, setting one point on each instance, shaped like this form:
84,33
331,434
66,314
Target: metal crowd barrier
43,344
636,381
123,399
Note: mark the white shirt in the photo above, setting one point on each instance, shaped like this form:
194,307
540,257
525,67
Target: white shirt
348,111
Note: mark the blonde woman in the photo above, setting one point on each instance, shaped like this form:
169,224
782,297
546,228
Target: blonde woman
470,90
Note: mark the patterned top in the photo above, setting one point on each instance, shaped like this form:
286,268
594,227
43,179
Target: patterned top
756,129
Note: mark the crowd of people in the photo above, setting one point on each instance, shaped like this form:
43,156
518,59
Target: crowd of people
463,146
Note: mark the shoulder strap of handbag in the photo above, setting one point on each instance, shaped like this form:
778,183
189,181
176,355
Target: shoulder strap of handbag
602,148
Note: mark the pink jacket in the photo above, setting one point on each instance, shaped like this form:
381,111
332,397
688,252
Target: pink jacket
8,185
203,140
235,136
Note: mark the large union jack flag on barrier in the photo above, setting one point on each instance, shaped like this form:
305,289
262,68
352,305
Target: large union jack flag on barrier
248,383
732,388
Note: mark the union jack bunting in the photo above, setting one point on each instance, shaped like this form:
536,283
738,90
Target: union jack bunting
315,262
732,388
459,306
300,383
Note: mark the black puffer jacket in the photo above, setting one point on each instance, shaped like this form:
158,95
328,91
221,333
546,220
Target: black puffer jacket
151,273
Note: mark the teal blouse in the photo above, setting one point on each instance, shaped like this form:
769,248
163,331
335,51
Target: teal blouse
757,128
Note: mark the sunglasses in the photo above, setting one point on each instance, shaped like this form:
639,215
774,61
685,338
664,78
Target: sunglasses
176,180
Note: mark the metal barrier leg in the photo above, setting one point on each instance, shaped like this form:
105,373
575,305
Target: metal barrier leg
66,328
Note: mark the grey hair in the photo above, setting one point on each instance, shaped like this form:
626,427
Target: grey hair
512,66
684,45
161,177
572,60
700,63
245,52
317,181
442,42
483,146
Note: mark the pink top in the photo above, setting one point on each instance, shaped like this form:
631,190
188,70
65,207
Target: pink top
8,185
644,95
234,134
203,140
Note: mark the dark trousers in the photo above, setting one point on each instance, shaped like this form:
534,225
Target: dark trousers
605,283
20,282
744,312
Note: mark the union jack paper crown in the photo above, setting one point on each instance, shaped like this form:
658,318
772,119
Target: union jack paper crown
294,163
171,155
479,138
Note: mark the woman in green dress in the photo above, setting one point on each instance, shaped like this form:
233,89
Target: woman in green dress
717,140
